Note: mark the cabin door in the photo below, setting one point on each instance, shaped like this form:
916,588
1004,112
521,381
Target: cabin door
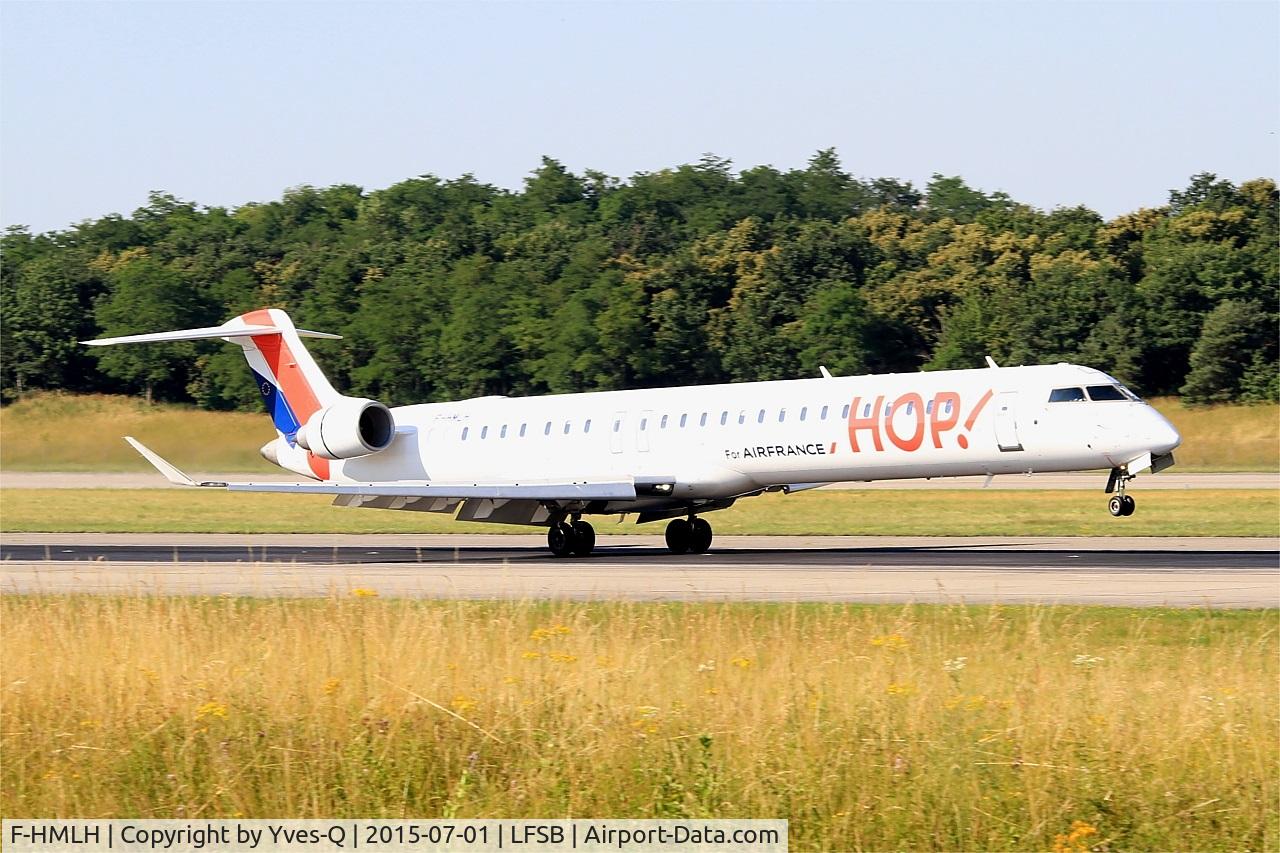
1007,421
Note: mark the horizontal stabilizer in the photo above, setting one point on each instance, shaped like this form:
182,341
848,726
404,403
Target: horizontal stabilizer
227,330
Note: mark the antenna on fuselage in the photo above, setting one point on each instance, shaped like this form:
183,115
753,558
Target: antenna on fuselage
991,362
826,374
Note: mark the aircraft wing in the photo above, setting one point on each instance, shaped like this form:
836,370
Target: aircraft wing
539,490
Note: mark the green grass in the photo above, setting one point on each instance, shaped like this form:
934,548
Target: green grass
57,432
868,727
927,513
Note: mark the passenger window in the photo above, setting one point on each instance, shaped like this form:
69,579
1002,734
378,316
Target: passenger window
742,417
484,431
804,410
760,417
782,415
684,419
617,426
465,430
1101,393
644,423
1066,395
910,405
928,408
724,418
947,409
566,427
663,423
823,416
888,409
503,433
547,430
522,429
703,421
587,426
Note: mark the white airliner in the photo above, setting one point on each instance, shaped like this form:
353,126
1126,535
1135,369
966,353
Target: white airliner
675,453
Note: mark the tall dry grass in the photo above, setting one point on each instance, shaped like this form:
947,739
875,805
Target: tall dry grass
72,432
993,728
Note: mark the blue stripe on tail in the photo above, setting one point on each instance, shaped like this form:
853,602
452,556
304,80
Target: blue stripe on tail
278,407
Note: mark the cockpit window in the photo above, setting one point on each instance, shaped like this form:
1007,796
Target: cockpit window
1066,395
1105,392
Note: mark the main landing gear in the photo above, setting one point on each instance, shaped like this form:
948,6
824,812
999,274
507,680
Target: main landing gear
1120,505
571,539
692,536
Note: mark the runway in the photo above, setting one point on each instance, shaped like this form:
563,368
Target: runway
1196,572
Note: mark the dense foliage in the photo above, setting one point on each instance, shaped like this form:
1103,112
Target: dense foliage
455,288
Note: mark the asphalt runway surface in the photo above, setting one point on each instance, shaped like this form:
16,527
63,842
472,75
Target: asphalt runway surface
1199,572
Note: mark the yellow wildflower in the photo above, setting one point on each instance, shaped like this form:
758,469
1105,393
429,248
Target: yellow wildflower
362,592
211,709
899,688
462,703
743,663
893,642
331,686
1075,841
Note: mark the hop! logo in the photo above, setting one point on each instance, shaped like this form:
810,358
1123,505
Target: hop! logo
941,415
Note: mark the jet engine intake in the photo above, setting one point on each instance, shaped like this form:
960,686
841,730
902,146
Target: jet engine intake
349,428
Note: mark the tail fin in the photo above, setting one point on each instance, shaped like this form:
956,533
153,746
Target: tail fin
290,381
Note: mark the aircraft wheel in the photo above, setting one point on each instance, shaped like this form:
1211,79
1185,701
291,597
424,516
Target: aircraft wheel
700,536
561,539
679,536
1129,505
1116,506
584,538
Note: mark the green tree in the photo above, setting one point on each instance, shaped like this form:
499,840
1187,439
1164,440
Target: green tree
43,319
1232,328
147,296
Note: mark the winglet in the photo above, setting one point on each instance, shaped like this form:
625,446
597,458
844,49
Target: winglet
172,474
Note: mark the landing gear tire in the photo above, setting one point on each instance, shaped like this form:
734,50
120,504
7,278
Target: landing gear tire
679,536
561,539
584,539
700,536
1121,506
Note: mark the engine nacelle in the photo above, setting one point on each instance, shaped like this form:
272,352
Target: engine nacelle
349,428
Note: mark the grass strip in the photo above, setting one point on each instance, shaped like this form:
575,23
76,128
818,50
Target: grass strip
869,727
907,513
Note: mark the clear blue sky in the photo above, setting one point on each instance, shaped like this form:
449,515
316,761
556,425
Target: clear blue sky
1104,104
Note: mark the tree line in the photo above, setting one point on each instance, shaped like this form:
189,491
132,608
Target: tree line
454,288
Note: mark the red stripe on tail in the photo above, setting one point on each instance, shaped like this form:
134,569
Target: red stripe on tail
284,367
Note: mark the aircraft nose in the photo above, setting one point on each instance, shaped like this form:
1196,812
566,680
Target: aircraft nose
1163,436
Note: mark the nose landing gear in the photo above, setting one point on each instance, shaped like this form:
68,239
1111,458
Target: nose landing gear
1120,505
692,536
